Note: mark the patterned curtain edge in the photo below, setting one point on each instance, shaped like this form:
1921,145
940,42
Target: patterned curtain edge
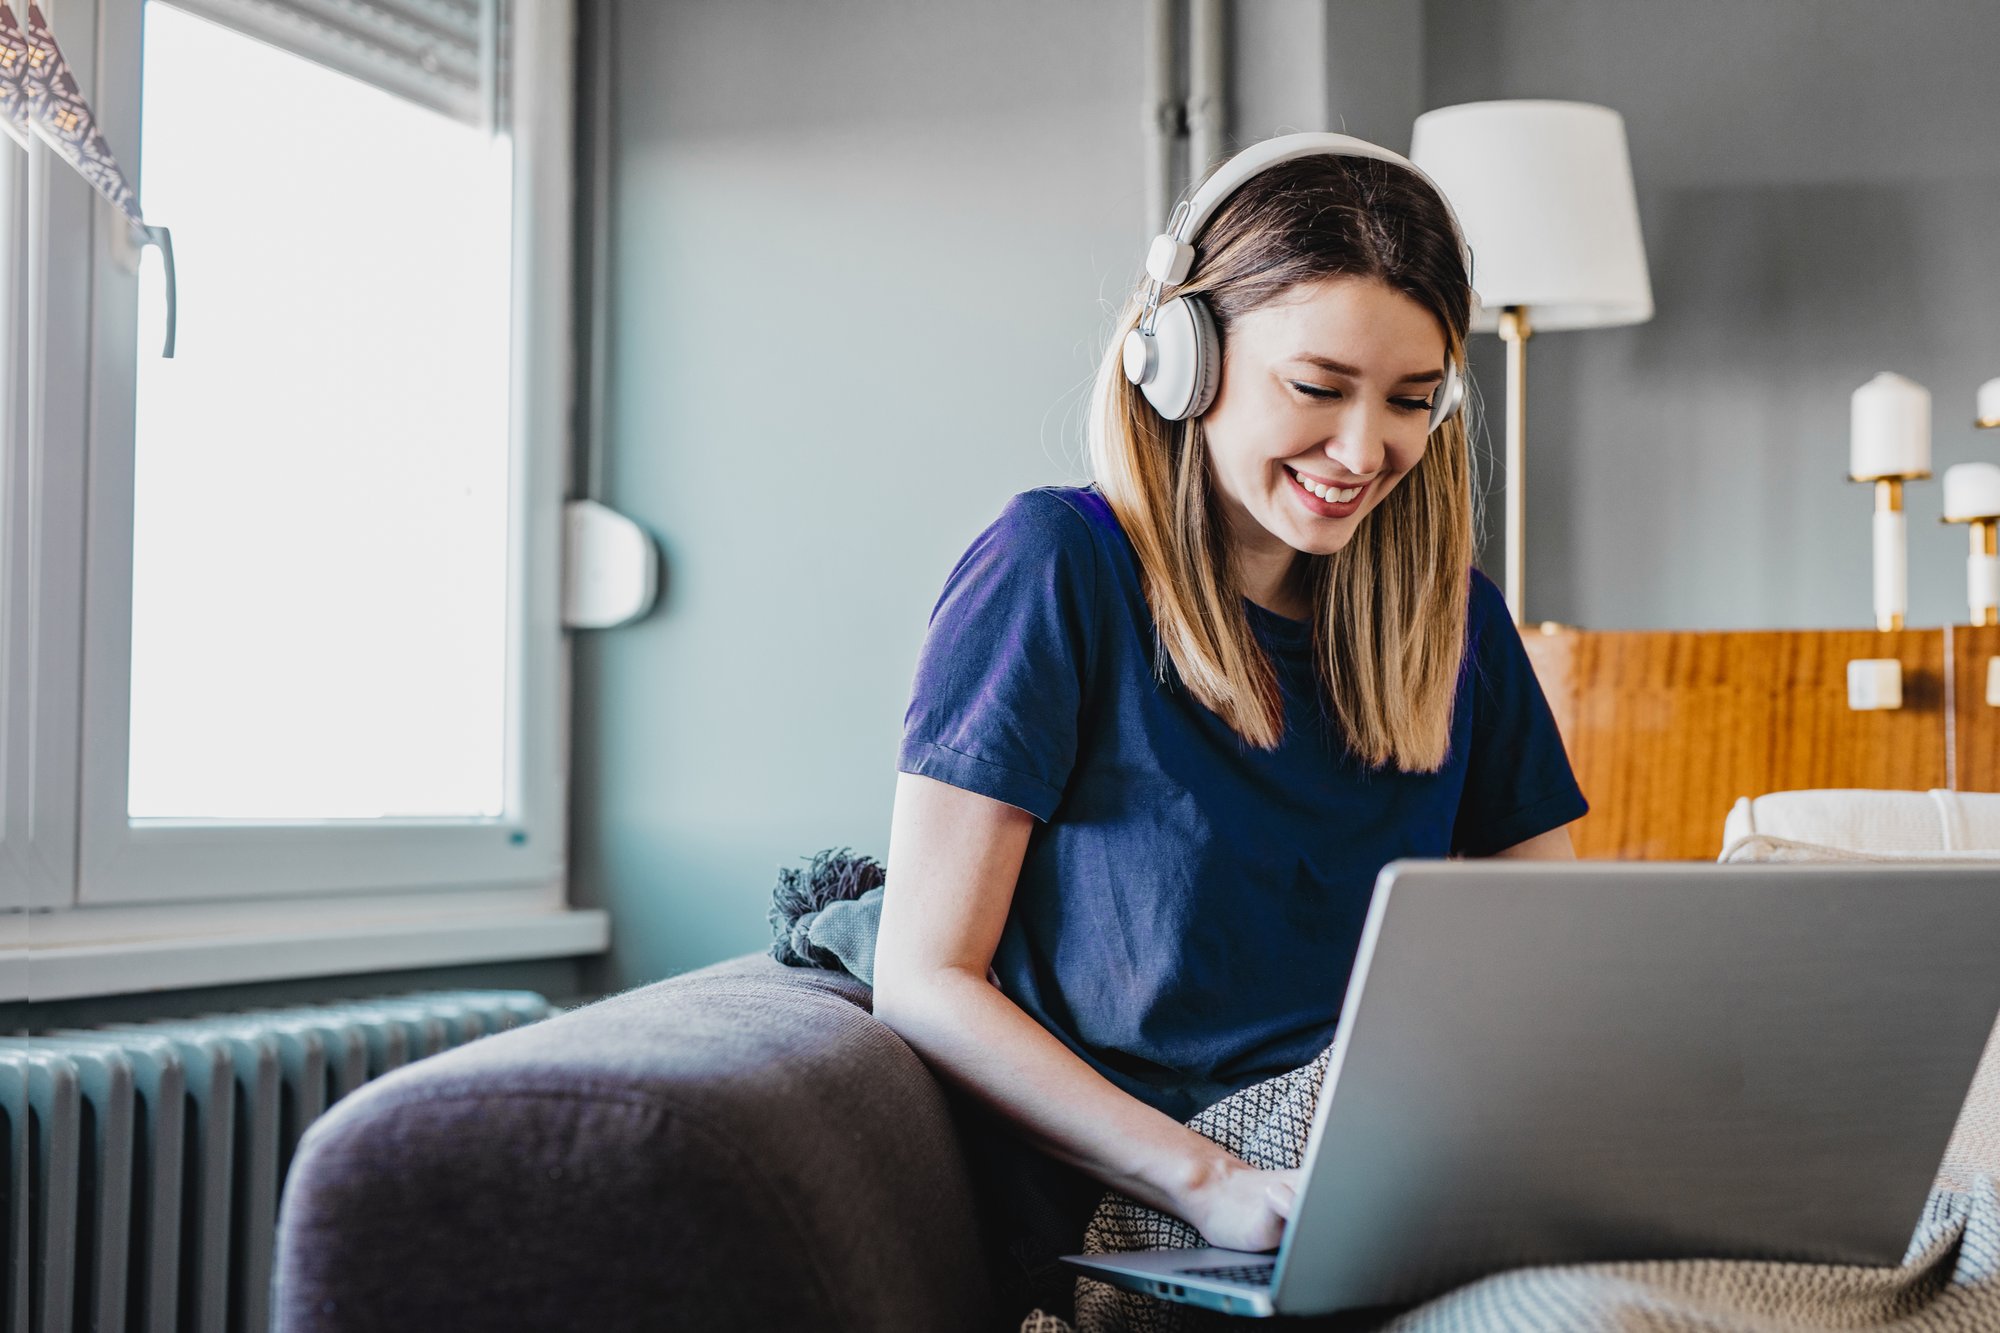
13,77
39,94
60,114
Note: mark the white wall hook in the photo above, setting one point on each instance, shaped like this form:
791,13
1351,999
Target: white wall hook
1874,683
609,567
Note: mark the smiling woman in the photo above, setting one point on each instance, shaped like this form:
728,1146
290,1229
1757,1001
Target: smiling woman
1168,728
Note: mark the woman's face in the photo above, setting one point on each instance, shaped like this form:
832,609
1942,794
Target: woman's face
1331,383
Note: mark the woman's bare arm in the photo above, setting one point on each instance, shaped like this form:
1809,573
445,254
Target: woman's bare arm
1551,846
954,860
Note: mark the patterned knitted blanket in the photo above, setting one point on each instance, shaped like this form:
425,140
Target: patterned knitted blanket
1948,1282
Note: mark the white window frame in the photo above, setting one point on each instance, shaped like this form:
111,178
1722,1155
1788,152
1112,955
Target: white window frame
119,905
41,660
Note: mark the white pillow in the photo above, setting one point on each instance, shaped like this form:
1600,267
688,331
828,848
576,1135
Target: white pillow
1873,824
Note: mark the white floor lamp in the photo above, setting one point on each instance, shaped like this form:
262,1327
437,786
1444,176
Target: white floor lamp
1544,192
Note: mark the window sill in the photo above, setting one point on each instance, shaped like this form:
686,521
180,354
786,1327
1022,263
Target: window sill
84,953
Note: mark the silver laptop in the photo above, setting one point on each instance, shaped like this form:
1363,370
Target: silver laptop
1576,1062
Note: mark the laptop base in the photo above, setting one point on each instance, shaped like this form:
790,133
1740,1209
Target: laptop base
1161,1273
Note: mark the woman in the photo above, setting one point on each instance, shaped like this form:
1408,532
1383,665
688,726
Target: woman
1167,728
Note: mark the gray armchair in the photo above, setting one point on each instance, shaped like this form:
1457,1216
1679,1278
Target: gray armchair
739,1147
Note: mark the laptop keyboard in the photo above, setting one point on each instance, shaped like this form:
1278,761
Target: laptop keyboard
1254,1274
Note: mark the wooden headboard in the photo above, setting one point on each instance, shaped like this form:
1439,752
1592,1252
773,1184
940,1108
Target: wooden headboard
1667,728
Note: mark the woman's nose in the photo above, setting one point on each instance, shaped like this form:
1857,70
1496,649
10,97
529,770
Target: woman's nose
1358,445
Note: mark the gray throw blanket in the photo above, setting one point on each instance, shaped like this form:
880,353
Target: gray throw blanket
826,915
1948,1282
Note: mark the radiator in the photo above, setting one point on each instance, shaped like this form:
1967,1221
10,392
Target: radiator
145,1160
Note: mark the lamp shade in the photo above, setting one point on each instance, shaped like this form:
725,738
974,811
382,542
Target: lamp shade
1544,193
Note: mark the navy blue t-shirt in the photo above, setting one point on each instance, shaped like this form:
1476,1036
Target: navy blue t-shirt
1189,906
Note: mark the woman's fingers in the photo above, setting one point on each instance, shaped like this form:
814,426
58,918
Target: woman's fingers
1249,1208
1283,1190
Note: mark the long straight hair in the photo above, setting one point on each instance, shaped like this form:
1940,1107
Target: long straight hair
1389,608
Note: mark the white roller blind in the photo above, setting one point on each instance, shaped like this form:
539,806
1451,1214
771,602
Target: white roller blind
443,54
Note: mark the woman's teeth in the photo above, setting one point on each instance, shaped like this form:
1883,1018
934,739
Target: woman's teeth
1327,493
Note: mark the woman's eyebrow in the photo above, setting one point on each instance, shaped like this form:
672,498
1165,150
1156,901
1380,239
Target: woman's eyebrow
1341,368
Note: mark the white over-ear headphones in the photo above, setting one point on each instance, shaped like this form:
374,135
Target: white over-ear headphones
1174,355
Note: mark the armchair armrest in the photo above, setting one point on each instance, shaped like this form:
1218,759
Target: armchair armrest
739,1147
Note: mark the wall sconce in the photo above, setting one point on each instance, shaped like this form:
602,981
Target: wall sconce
1890,444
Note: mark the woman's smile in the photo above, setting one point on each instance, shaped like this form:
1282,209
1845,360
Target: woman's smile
1325,500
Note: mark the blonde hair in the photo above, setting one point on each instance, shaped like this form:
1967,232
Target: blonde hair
1389,608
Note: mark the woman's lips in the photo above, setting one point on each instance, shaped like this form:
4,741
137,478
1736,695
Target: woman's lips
1324,508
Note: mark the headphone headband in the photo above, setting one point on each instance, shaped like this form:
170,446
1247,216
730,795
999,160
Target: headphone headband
1172,255
1237,171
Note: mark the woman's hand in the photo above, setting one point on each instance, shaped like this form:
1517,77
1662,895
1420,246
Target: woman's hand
1241,1207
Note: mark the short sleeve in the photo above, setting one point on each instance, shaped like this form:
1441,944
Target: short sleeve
1001,677
1518,781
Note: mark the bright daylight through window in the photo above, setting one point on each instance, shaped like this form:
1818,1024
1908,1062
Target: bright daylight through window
320,500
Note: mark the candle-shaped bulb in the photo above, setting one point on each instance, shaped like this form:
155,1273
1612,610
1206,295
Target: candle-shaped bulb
1971,490
1989,403
1890,432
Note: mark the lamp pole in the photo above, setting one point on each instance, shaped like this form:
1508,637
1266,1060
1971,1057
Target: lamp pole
1515,330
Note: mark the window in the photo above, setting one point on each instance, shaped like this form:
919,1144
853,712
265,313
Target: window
312,562
318,611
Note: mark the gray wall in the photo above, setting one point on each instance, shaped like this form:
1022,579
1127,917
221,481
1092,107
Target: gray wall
863,255
1819,189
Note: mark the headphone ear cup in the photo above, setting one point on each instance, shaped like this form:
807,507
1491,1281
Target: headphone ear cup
1208,365
1183,362
1450,396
